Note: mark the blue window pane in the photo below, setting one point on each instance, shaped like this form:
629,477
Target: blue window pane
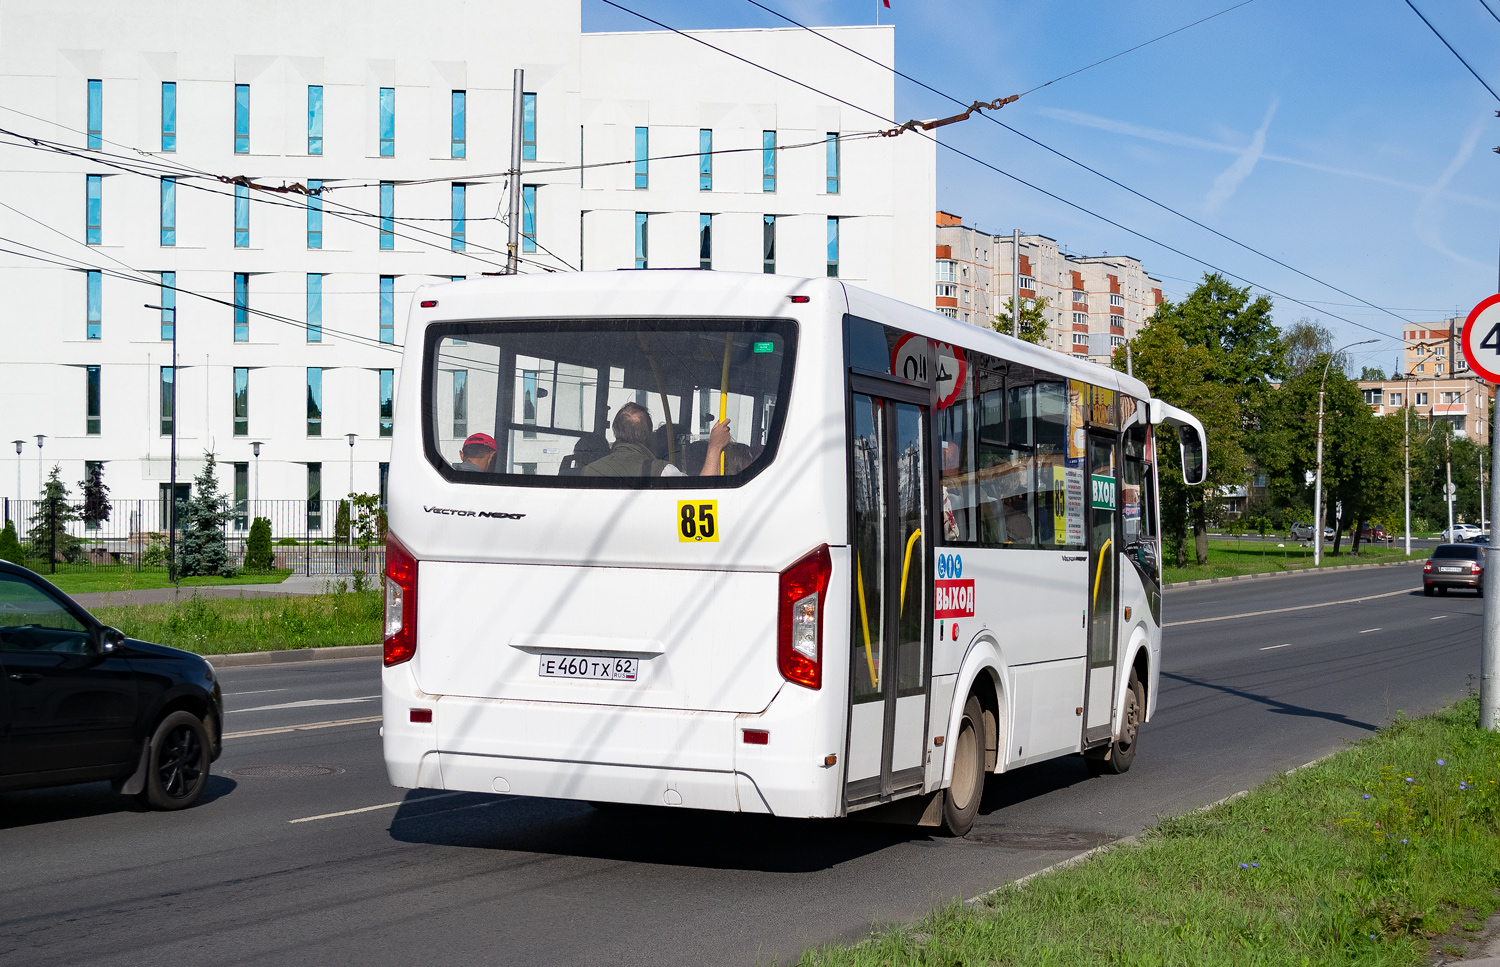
168,302
169,116
241,401
641,247
169,211
95,314
92,402
528,218
705,159
314,214
314,307
768,161
241,216
314,406
242,119
705,241
387,215
768,245
833,248
387,122
387,401
642,143
167,399
456,203
96,114
833,163
93,231
528,127
241,307
388,308
315,119
459,134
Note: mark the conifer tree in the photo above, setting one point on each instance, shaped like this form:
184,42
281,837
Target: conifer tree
203,549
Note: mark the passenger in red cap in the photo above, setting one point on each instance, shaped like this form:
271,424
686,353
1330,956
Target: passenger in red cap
478,454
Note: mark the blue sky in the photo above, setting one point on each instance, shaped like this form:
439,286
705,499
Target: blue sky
1340,137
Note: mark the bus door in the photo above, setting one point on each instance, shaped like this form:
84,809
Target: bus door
1104,548
889,647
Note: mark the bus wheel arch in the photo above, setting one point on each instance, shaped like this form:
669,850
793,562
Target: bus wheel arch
986,688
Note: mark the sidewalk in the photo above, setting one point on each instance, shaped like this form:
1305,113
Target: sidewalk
292,585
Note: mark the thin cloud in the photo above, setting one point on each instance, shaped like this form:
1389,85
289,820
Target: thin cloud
1231,178
1426,222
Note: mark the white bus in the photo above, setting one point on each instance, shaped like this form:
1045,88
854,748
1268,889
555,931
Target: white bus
866,595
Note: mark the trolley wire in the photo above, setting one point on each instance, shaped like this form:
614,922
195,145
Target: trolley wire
1451,49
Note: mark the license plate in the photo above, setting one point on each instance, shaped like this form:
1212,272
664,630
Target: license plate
590,667
1450,570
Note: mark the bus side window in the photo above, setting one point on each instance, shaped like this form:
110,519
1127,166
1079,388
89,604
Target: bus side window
1136,502
956,465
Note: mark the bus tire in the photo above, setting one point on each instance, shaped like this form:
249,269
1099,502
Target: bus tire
961,799
1115,758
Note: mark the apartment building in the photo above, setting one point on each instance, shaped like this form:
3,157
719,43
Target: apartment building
1434,349
1463,401
284,192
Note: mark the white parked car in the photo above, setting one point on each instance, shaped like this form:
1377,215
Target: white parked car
1304,532
1459,533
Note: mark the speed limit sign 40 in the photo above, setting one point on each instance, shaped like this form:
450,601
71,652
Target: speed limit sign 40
1481,340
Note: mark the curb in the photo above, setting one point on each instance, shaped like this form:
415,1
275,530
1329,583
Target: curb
292,656
1299,572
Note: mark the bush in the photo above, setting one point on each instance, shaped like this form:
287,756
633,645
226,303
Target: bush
155,554
10,545
258,555
287,542
341,523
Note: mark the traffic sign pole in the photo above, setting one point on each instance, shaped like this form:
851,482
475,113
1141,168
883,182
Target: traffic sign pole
1481,344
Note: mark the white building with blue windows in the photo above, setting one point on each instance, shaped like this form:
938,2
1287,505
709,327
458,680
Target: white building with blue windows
281,193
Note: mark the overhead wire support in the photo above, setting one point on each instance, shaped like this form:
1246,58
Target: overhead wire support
979,106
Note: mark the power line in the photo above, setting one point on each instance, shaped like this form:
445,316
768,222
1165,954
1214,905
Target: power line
1489,10
1455,53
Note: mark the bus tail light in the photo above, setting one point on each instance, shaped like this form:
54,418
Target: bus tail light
799,625
400,602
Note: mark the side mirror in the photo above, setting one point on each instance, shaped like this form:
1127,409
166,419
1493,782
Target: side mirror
1192,454
110,639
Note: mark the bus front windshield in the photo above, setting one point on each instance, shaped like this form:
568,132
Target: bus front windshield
606,403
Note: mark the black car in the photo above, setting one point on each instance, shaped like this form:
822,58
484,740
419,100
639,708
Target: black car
1454,566
80,702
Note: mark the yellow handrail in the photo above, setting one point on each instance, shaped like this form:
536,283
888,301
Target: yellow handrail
910,543
864,620
1099,571
724,393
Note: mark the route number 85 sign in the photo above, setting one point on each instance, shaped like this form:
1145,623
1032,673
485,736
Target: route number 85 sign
1481,340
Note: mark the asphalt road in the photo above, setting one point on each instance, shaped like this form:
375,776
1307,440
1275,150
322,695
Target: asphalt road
286,862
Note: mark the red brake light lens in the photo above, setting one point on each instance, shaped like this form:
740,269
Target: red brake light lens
400,602
429,303
799,624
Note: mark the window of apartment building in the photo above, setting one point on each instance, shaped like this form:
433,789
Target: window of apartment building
461,401
705,159
96,114
314,307
388,308
456,234
1372,397
1421,399
242,307
1451,398
169,115
528,218
314,496
768,161
90,468
387,122
1440,350
241,401
91,401
947,290
1080,296
832,163
1438,369
642,157
93,228
385,476
528,127
1080,318
315,119
947,270
242,119
963,295
164,400
948,311
1080,339
705,241
93,280
1395,399
1027,282
1116,299
169,212
1460,362
768,244
1116,341
1419,350
458,124
833,248
387,215
314,214
168,302
241,496
314,401
387,401
241,216
1421,368
641,240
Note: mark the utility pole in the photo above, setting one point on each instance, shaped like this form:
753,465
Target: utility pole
172,493
1406,458
1489,659
513,243
1448,464
1015,282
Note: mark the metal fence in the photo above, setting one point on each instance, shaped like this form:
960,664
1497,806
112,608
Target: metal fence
308,536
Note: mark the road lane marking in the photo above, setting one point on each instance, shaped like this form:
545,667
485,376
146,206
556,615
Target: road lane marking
371,809
1300,607
1274,647
1368,630
258,691
1437,617
332,723
308,703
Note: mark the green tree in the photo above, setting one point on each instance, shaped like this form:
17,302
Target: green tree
10,545
203,549
341,523
258,554
49,534
1371,372
1033,321
96,506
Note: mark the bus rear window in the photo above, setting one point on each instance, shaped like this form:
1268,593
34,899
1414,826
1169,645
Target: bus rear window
606,403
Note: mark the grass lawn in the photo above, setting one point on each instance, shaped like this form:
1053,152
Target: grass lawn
1228,556
1377,855
218,626
108,578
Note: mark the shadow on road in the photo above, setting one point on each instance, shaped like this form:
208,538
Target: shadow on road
1279,707
31,807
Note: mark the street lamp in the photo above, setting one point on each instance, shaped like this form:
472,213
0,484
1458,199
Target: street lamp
172,499
1318,488
39,438
19,444
351,437
255,449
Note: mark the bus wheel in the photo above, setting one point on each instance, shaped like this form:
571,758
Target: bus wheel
1115,758
961,800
